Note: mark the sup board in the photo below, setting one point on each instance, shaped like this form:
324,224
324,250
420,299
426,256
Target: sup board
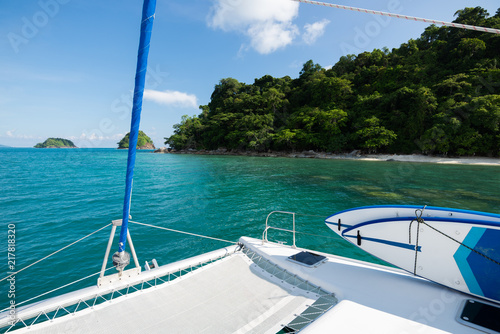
456,248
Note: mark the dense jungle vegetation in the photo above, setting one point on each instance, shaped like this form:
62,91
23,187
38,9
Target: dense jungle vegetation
437,94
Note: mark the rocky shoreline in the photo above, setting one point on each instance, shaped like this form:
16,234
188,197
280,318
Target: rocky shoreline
147,146
354,155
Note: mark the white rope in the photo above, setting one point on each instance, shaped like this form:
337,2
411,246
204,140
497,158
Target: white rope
71,244
182,232
406,17
46,293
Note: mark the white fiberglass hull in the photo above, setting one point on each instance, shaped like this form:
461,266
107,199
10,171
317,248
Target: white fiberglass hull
363,298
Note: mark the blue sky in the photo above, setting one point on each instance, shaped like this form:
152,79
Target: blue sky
67,67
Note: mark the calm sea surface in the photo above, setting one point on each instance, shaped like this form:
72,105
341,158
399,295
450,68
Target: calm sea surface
56,196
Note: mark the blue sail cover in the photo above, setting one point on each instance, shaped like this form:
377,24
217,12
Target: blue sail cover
148,14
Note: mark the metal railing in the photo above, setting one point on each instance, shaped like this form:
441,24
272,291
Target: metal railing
268,227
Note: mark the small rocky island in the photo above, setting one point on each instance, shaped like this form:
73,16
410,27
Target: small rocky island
143,142
56,143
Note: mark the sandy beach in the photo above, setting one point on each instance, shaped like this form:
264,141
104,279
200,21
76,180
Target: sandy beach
356,155
433,159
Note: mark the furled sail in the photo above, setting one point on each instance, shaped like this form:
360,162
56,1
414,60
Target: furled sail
148,14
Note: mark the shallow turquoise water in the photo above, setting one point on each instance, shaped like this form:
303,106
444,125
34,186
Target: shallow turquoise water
54,197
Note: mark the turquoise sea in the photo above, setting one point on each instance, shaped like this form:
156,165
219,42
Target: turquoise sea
52,197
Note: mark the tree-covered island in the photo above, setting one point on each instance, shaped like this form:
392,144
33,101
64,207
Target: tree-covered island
143,142
437,94
56,143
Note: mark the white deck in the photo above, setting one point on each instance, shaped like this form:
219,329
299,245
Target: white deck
374,298
229,296
234,295
351,317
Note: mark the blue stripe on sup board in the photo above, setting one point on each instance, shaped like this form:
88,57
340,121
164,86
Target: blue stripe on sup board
461,255
480,268
477,257
388,242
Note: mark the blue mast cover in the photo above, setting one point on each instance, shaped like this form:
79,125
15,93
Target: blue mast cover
148,14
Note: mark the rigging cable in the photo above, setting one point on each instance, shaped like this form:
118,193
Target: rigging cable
218,239
58,288
57,251
158,227
406,17
182,232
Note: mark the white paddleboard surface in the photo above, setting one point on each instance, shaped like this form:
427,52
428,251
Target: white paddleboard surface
457,248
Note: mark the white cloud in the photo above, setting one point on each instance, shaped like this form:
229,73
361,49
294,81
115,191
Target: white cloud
96,137
268,24
170,97
314,31
93,139
238,14
15,135
268,37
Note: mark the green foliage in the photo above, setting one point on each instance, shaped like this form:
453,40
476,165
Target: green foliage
142,140
439,93
373,136
55,143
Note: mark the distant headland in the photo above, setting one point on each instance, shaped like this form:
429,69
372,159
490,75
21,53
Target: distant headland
56,143
143,142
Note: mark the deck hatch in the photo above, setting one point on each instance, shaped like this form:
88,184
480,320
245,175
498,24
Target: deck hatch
307,259
481,315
